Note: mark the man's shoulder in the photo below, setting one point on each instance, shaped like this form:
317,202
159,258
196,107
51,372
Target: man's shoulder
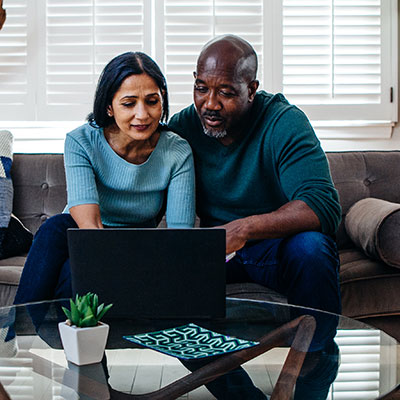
184,121
276,101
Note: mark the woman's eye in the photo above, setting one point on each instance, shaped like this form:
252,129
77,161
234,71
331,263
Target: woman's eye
128,104
152,102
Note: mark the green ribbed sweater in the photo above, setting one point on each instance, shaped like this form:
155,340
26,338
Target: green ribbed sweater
130,194
277,159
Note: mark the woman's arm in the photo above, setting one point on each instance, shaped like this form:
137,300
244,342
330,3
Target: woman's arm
180,211
87,216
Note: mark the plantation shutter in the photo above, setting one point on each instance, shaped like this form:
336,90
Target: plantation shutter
336,58
185,26
16,92
364,353
80,37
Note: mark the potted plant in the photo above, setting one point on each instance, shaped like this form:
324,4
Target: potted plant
83,336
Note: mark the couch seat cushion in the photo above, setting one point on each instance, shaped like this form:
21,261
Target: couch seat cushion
369,288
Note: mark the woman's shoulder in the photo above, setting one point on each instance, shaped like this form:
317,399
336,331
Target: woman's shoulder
172,139
84,131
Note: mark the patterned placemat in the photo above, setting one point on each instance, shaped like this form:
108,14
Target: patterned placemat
190,342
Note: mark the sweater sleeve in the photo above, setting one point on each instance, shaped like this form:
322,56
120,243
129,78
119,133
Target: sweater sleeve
80,177
303,169
180,211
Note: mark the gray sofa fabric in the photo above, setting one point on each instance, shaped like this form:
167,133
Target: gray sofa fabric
370,288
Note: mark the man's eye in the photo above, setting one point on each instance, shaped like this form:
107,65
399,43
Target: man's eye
227,94
201,89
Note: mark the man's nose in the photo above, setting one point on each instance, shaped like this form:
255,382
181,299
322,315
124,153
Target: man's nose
212,101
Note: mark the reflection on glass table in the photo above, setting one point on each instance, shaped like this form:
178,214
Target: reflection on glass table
341,359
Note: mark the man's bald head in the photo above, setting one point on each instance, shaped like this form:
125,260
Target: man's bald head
231,53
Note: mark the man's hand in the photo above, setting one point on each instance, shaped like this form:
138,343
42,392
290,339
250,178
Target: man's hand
235,235
293,217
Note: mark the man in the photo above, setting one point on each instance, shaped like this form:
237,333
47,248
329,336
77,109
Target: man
2,14
263,177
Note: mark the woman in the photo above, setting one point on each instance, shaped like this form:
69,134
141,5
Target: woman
120,167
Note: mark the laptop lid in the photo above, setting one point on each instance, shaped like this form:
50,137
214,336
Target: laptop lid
151,273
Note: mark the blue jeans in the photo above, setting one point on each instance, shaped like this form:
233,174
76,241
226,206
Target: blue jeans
46,274
305,268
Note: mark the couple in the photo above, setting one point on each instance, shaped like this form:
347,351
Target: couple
259,170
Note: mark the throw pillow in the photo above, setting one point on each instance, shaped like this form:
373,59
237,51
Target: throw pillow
374,226
6,188
15,239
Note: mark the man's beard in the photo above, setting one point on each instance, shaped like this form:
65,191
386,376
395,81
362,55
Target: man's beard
214,134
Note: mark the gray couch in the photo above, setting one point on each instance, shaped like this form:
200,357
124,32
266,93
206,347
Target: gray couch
370,288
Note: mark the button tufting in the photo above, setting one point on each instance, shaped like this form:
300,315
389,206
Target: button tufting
45,186
367,182
43,217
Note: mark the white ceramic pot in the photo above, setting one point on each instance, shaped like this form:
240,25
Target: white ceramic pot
83,346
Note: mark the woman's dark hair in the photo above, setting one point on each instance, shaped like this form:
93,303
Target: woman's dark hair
114,73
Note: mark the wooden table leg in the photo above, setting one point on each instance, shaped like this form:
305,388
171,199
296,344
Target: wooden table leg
298,333
3,394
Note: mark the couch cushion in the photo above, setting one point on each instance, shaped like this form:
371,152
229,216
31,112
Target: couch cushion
361,174
39,187
374,226
253,291
369,288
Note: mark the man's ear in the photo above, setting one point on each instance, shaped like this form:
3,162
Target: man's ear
194,74
252,88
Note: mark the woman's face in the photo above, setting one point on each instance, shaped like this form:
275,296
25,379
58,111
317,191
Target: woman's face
137,107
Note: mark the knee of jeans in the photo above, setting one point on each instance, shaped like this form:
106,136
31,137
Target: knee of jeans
56,223
312,249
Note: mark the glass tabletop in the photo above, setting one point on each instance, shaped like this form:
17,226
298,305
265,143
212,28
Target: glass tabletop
340,358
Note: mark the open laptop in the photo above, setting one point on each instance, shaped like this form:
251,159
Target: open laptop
151,273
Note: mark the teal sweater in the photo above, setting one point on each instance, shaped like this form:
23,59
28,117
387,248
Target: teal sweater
276,160
130,194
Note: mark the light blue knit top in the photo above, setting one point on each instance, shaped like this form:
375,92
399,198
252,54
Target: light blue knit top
130,194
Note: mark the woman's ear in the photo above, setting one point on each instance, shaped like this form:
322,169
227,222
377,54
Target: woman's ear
110,111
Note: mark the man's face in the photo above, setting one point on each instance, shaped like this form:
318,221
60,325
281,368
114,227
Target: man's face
221,98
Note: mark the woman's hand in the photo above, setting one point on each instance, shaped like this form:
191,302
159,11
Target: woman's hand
87,216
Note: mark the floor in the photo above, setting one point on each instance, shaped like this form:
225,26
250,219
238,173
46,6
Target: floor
138,371
131,371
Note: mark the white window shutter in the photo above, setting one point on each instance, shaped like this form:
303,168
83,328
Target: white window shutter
16,92
335,57
81,37
188,25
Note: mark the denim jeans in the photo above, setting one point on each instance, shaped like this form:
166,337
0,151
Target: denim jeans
46,274
305,268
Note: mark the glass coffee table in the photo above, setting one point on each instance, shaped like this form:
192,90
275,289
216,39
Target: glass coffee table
302,354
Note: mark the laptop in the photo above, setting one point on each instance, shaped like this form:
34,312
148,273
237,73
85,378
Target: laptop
151,273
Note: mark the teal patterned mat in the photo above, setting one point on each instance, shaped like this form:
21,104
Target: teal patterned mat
190,342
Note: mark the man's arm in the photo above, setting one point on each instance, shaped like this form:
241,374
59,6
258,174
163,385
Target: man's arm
293,217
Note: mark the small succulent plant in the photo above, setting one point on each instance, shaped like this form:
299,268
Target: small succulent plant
85,310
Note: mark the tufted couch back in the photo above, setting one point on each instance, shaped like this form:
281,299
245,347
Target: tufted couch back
40,191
